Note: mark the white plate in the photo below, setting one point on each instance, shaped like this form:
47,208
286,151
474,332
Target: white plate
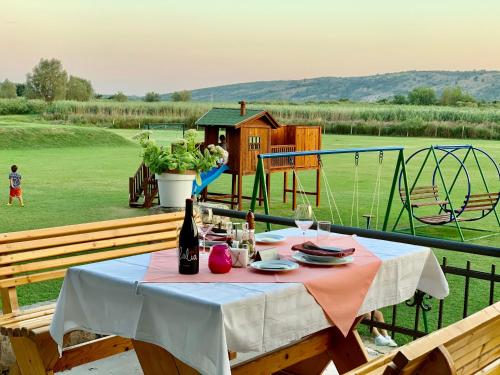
300,257
323,259
281,265
269,238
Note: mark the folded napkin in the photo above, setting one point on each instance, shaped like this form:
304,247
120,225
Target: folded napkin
327,251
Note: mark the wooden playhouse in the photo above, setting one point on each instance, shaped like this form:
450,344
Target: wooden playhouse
250,132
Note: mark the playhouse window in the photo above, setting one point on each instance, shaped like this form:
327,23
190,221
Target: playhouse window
253,143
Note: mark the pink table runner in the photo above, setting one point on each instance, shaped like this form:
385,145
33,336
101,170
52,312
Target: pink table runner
339,290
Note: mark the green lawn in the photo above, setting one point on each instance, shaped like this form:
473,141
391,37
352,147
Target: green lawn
66,185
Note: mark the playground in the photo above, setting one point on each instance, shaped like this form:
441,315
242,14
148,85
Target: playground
78,183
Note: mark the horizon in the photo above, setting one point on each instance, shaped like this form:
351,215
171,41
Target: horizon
165,47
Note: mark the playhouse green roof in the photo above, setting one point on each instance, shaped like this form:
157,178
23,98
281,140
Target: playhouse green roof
226,117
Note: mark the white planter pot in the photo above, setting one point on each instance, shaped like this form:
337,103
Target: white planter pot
174,188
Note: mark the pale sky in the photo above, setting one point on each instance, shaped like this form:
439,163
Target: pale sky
137,46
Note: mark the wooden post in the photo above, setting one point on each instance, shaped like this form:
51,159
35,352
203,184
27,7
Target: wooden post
318,186
285,186
233,189
268,187
294,191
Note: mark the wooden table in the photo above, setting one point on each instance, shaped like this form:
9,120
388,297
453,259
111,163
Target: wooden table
200,322
309,356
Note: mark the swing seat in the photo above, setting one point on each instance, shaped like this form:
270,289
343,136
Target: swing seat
436,219
424,196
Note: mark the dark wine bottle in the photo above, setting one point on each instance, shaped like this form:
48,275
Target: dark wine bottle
189,251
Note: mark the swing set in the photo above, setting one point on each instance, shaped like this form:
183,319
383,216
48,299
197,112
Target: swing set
479,199
400,170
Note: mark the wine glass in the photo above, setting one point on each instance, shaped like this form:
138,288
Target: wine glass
206,224
303,218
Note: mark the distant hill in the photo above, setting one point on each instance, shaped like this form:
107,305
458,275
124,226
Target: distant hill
481,84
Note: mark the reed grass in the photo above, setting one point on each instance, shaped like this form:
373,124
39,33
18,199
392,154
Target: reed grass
338,118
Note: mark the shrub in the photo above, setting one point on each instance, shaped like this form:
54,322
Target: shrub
119,97
422,96
455,96
181,96
8,90
152,97
399,99
79,89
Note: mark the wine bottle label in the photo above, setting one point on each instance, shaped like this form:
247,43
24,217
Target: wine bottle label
188,255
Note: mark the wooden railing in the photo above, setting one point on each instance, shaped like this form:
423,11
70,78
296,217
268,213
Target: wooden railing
142,184
283,162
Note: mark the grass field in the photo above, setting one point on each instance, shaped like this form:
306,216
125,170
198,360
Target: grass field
88,181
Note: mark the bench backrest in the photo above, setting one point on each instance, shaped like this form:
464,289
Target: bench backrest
422,192
464,347
45,254
482,202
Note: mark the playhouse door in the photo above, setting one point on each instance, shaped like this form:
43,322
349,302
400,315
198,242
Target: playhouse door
255,141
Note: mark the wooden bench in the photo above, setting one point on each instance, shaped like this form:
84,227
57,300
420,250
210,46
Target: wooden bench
470,346
45,254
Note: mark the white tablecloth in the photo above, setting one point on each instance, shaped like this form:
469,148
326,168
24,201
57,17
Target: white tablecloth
198,323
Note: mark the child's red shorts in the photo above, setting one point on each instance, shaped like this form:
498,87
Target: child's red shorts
15,192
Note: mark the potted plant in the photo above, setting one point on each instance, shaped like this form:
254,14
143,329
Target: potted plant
176,167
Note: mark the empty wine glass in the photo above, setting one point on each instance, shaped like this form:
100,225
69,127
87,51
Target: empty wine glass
206,224
303,218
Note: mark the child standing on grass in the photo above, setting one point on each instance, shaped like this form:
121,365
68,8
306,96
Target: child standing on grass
15,186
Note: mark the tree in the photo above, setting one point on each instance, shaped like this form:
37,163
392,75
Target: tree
119,97
399,99
79,89
20,89
455,95
7,89
181,96
152,97
422,96
47,81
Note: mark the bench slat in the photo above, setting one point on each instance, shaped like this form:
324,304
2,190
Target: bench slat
432,203
56,274
485,195
479,207
77,248
88,227
168,237
488,200
85,237
422,188
423,196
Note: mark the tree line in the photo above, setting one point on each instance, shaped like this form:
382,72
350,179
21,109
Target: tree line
451,96
49,81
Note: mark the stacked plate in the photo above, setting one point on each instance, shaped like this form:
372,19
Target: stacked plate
320,260
309,253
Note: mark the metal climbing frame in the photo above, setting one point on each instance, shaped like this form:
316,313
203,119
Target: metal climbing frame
400,167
